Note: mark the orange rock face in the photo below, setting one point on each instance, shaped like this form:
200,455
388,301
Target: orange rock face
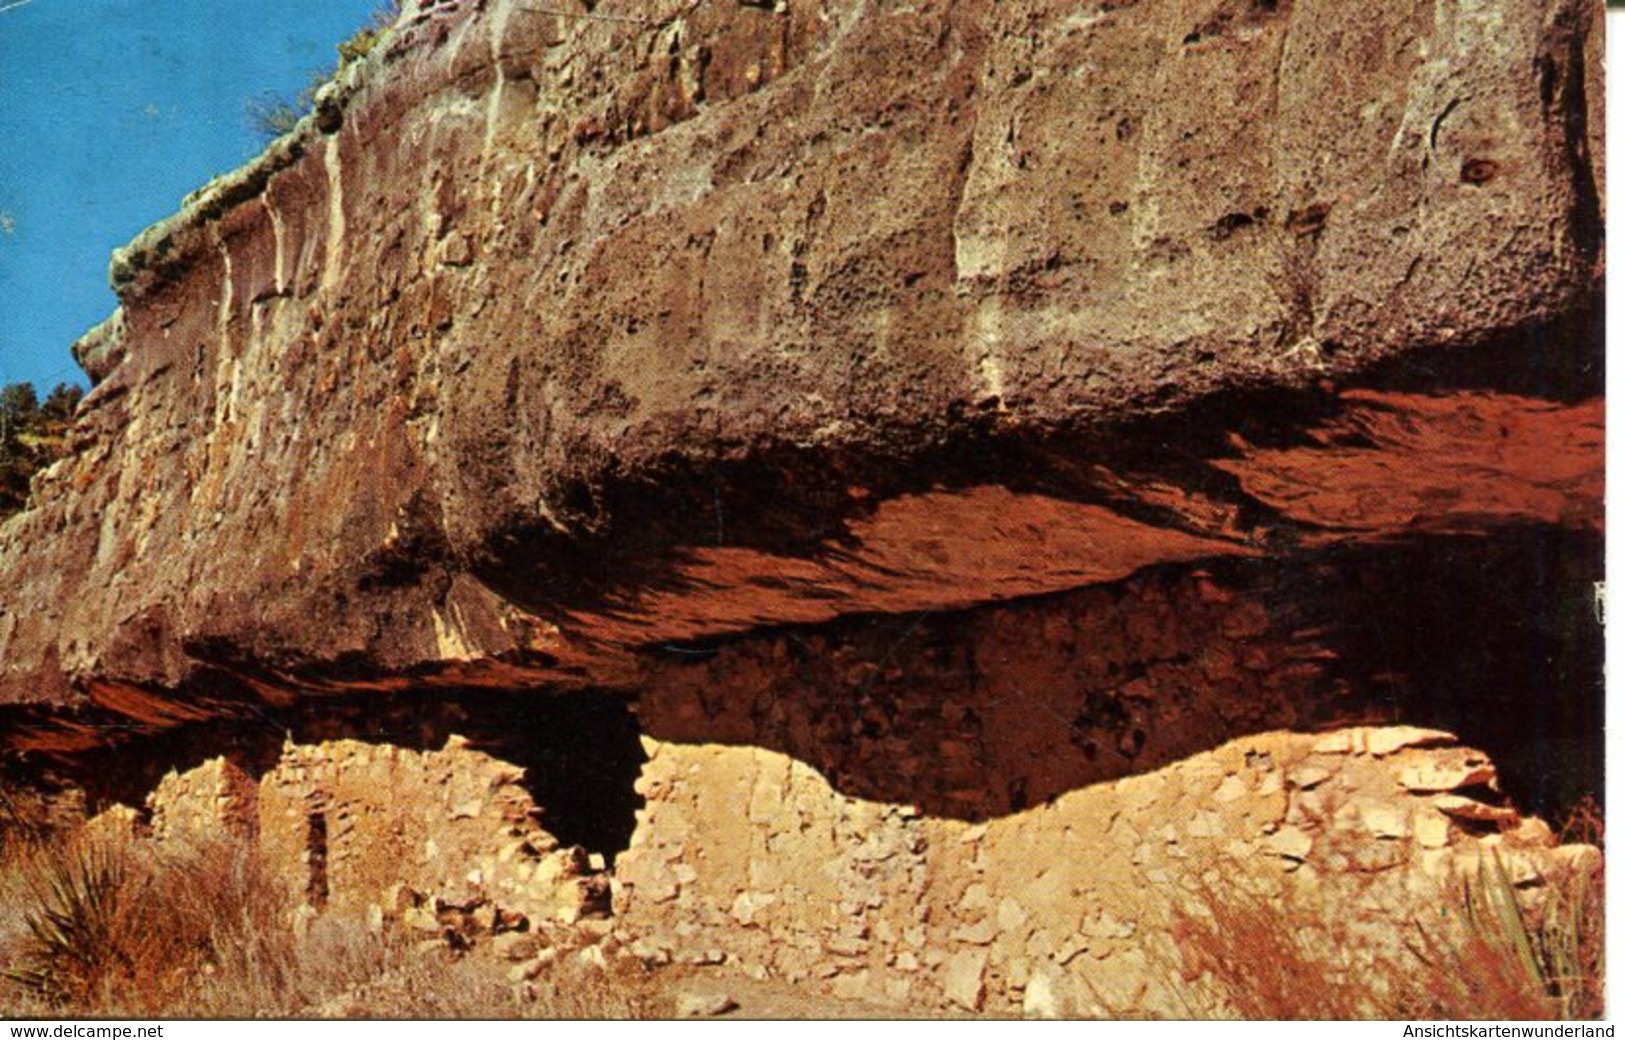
1396,464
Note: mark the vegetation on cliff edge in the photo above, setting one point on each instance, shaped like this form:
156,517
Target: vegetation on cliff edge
272,115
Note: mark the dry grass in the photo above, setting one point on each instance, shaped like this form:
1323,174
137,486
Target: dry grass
114,929
1584,823
119,930
1484,958
1552,957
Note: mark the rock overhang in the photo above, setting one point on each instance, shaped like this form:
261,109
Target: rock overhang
506,375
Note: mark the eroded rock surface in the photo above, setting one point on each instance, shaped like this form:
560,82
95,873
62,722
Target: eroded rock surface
927,494
551,336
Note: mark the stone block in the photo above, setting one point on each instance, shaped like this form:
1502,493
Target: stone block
1464,808
1290,843
516,946
1432,829
1039,999
963,978
854,985
1389,739
1436,776
1383,820
422,920
704,1003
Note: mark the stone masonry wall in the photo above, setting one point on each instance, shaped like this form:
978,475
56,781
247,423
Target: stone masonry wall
993,711
379,832
749,856
215,800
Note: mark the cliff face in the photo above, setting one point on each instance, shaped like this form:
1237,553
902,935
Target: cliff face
949,468
551,337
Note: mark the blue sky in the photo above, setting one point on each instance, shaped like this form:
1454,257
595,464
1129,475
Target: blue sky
110,112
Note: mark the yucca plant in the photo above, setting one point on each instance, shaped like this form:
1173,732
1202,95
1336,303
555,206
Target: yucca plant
73,936
1559,956
1251,954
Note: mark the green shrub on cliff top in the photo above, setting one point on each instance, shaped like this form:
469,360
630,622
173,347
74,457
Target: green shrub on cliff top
272,115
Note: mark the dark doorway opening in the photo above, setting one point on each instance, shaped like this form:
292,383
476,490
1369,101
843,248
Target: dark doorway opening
1493,639
316,856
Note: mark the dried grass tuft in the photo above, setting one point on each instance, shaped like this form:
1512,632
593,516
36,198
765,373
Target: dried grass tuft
115,929
1486,957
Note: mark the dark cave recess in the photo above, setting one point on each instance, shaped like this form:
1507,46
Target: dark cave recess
984,712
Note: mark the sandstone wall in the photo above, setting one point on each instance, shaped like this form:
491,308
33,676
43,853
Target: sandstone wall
375,832
461,378
996,710
1361,835
1081,901
215,801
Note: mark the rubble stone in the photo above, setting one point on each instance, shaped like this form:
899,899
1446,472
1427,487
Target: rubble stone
972,916
963,981
704,1004
516,946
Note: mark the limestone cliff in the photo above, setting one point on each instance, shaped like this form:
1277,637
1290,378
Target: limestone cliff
559,333
891,497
